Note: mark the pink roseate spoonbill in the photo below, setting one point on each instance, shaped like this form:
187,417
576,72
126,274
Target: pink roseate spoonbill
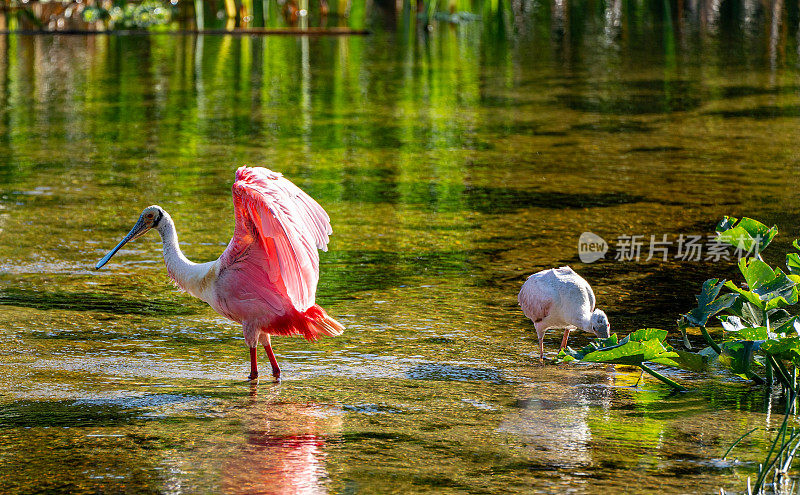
267,277
560,298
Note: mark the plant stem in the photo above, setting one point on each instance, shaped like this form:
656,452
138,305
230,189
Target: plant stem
762,473
749,374
710,341
769,374
663,378
737,443
780,371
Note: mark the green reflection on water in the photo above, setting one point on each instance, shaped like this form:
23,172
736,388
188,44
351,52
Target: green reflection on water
452,165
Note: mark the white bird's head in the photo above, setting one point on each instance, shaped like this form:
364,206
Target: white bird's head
149,219
600,325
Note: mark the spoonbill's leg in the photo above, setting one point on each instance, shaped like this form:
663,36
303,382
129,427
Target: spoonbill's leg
540,333
276,370
564,340
250,333
253,364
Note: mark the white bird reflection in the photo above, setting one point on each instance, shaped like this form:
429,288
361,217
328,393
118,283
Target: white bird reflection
553,419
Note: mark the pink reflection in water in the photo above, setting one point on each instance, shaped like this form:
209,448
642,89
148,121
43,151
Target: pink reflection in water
284,450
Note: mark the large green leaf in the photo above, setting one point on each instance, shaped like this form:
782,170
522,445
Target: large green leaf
635,348
738,354
751,314
750,296
755,272
644,334
780,289
707,304
746,234
793,260
753,333
793,263
631,353
767,289
692,361
640,346
568,354
790,327
787,348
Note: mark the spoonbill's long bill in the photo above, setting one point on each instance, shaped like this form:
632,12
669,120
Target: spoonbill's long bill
560,298
267,277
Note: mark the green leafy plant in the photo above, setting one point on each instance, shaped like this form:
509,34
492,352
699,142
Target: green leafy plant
760,330
759,334
748,235
779,457
641,346
793,260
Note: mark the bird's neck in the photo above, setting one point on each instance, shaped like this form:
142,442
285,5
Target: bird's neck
179,268
586,323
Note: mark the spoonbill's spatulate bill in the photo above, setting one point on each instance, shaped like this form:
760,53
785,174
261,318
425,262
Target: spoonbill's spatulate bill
560,298
267,277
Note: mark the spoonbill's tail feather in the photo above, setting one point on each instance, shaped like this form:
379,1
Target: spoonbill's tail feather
321,322
310,324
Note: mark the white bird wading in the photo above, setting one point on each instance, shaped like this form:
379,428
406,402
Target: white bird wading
560,298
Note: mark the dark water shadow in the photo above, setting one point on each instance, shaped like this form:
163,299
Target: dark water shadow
739,91
29,413
89,301
349,272
508,200
512,128
440,197
656,149
614,127
657,298
642,97
449,373
764,112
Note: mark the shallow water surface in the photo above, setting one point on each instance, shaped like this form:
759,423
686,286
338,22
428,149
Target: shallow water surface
452,166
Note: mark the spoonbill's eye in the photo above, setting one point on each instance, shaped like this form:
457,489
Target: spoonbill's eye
149,215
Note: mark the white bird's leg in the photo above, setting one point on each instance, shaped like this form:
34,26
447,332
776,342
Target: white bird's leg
540,333
564,340
276,370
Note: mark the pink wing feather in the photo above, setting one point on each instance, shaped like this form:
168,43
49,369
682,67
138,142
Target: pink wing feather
289,227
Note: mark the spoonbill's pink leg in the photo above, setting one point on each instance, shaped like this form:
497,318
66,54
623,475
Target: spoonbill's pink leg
276,370
253,364
541,349
540,333
564,340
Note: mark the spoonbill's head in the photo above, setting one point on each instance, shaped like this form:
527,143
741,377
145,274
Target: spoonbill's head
600,325
150,218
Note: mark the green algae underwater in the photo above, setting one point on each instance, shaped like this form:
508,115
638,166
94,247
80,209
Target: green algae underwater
452,165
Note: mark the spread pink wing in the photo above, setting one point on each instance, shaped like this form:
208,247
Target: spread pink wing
285,225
